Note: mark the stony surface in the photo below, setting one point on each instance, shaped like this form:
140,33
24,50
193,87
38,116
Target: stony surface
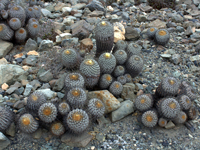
74,21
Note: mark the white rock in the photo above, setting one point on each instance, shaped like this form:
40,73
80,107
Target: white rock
48,93
45,12
68,9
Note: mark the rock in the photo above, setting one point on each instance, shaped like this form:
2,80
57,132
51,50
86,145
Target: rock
48,93
68,21
157,23
195,13
58,86
131,34
86,44
188,31
96,13
95,5
138,87
10,73
165,55
126,108
119,32
195,58
45,45
81,29
3,61
176,59
125,16
100,137
4,141
27,90
78,15
30,45
35,84
66,9
45,12
170,125
142,18
145,8
13,87
177,18
5,48
59,26
19,104
4,86
197,48
37,134
46,76
76,141
11,130
180,29
68,42
79,6
110,102
59,6
128,91
31,60
73,2
102,121
63,36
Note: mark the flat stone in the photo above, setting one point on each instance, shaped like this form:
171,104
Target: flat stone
10,73
4,141
126,108
31,60
45,12
30,45
81,29
110,102
96,13
48,93
166,55
170,125
79,6
157,23
13,87
86,44
131,34
81,140
46,76
45,45
128,91
11,130
27,90
59,6
5,48
195,58
145,8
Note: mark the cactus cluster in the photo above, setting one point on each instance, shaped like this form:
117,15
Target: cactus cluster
171,102
18,23
160,36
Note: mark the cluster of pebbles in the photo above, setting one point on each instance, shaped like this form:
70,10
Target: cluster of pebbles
178,58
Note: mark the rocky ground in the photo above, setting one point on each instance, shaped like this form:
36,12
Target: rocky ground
37,66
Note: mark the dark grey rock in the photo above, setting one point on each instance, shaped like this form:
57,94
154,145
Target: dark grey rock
131,34
176,58
125,16
4,141
19,91
126,108
189,31
31,60
46,76
142,18
11,130
45,45
5,48
76,141
128,91
177,18
30,45
60,83
95,5
27,90
13,87
71,41
180,29
10,73
35,83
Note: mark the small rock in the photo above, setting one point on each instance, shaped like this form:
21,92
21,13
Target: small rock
3,61
59,6
119,32
59,26
138,86
165,55
45,12
170,125
66,9
195,58
177,18
126,108
4,86
5,48
79,6
95,5
30,45
63,36
81,29
110,102
86,44
46,76
48,93
176,59
76,141
128,91
37,134
145,8
142,18
4,141
31,60
188,31
19,105
59,84
35,84
96,13
11,130
27,90
157,23
100,137
45,45
13,87
131,34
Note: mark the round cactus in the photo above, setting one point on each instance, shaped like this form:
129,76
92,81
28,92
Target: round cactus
6,33
63,108
144,102
121,57
91,70
73,80
69,58
105,81
162,37
107,63
149,118
77,121
121,45
18,12
151,32
133,49
33,29
20,35
119,71
57,129
116,88
6,118
27,123
14,23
